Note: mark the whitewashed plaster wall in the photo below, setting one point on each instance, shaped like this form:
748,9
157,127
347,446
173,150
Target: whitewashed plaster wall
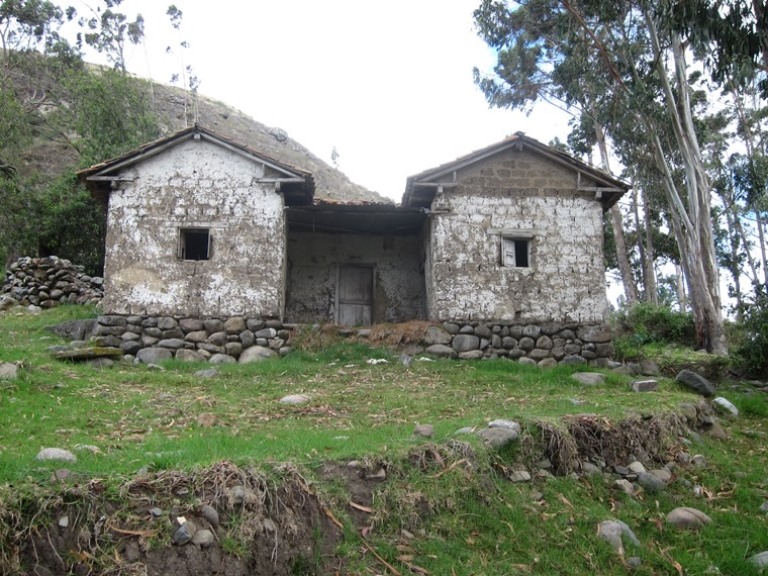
195,184
313,274
517,191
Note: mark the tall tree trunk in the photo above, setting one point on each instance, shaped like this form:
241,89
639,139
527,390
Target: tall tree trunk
761,239
682,300
640,245
693,219
739,229
617,225
648,263
625,269
734,241
748,136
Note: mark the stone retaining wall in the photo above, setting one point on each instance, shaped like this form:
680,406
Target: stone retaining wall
152,338
228,339
50,281
544,344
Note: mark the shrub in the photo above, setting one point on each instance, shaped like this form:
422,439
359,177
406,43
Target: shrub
647,323
752,353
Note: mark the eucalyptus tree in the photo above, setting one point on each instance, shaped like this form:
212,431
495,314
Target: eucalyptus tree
634,71
27,24
732,37
109,32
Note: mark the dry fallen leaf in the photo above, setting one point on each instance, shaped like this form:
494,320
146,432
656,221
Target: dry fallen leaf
360,507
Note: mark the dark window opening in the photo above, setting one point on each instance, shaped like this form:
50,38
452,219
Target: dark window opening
515,252
194,244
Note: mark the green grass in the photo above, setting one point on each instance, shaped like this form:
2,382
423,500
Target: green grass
139,417
465,518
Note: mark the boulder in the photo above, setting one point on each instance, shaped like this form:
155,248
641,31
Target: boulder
295,399
759,560
88,353
74,329
465,342
437,335
56,454
440,350
172,343
221,359
471,355
498,437
595,333
153,355
234,325
725,406
588,378
256,354
686,518
189,356
645,385
695,383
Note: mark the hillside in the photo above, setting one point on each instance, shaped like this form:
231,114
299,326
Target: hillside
50,155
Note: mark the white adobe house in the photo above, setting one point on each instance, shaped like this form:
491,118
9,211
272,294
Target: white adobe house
201,227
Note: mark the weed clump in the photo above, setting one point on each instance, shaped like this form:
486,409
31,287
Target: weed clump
646,323
587,437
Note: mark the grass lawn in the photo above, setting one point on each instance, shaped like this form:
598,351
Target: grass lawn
458,519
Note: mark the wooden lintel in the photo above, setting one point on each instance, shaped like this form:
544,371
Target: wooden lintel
437,184
598,189
110,179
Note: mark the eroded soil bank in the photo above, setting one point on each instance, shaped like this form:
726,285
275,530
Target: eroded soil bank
235,521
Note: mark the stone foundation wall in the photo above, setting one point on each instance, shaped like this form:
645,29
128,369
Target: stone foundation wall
544,344
153,338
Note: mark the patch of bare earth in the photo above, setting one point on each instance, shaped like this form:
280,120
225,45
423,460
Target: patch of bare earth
263,524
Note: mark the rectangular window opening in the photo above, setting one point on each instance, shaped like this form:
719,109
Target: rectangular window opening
194,244
515,252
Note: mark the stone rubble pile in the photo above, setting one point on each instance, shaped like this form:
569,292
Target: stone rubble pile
48,282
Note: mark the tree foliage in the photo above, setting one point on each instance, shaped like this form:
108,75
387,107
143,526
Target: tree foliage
109,112
109,32
26,24
731,37
48,95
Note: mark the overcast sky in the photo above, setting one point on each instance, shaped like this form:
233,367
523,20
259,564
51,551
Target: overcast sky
388,84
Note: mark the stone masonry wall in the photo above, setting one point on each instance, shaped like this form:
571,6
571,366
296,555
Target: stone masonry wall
543,344
212,339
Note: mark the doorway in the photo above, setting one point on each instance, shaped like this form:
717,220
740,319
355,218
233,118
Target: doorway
355,295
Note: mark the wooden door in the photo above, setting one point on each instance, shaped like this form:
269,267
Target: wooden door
355,293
